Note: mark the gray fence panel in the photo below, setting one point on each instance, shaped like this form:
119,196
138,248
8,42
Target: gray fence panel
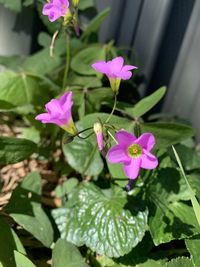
183,98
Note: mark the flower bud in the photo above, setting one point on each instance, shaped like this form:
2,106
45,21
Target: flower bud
98,129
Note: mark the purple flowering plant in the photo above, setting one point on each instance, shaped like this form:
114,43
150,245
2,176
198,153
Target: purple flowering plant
80,141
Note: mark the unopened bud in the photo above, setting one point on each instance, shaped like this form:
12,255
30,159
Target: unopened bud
98,129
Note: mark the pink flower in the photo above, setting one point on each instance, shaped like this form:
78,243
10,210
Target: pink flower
59,113
115,70
55,9
133,153
99,134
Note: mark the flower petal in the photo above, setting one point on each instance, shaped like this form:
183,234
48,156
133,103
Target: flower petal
124,138
117,154
101,66
125,75
146,141
148,161
132,168
99,137
65,101
44,118
116,64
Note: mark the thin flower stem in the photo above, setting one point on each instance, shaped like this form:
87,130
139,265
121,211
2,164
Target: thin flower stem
86,129
195,204
113,109
53,43
67,62
86,136
112,137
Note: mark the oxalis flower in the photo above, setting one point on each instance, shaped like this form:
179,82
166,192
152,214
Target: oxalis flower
133,153
59,113
55,9
115,70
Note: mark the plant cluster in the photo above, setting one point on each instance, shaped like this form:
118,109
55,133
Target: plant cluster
123,196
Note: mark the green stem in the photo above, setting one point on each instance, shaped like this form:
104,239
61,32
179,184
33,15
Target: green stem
113,109
112,137
67,62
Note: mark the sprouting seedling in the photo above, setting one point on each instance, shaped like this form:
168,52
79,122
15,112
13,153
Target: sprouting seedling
195,204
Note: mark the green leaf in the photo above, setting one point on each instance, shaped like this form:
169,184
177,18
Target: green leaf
190,158
12,5
11,62
167,134
117,173
5,105
22,261
83,156
66,254
31,133
19,89
25,208
95,23
81,62
193,246
117,121
41,63
179,262
84,81
150,263
147,103
195,204
7,248
169,218
66,188
97,218
13,150
84,4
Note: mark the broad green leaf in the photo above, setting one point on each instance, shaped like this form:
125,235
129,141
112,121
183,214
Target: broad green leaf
83,156
190,158
193,245
195,203
44,39
84,81
5,105
31,133
90,101
66,188
11,62
147,103
84,4
167,134
22,261
150,263
81,62
19,89
13,150
25,208
95,23
97,218
117,121
41,63
7,248
13,5
117,174
66,254
169,218
179,262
